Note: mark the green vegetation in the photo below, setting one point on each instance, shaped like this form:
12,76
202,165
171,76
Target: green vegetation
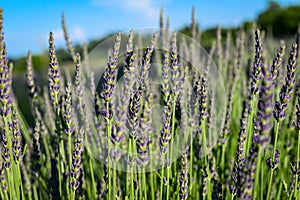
55,146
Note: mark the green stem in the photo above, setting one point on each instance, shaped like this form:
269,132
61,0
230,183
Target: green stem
128,169
273,157
132,175
140,189
162,179
223,160
35,192
209,194
10,183
114,182
279,192
108,132
70,158
191,160
168,182
169,169
270,184
249,126
258,166
151,175
20,181
262,180
6,195
297,165
144,184
59,143
92,177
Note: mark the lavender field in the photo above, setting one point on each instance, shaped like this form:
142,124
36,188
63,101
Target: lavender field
154,115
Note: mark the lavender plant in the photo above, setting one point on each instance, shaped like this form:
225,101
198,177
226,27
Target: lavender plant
65,154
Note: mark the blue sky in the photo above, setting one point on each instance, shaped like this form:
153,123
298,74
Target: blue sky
27,23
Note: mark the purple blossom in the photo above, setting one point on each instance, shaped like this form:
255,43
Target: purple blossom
30,78
76,168
183,177
108,86
17,137
53,73
287,89
36,148
68,112
257,64
274,164
174,66
134,113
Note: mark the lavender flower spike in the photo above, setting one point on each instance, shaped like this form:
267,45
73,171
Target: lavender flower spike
287,89
174,65
265,105
30,77
129,79
54,74
36,148
5,150
134,112
1,27
240,151
68,112
277,62
274,164
183,178
5,84
76,168
17,137
108,87
257,64
297,120
143,140
246,181
166,135
146,62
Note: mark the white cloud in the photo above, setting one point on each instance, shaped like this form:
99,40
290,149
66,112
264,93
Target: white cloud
146,7
76,34
58,35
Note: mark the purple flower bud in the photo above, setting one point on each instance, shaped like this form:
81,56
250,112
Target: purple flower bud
5,83
3,179
110,71
78,86
115,154
183,177
68,112
54,74
30,78
166,134
16,141
76,167
287,89
5,149
36,156
274,164
146,62
134,112
257,64
277,62
174,66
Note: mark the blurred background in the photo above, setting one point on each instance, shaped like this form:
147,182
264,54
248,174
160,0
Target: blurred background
27,25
